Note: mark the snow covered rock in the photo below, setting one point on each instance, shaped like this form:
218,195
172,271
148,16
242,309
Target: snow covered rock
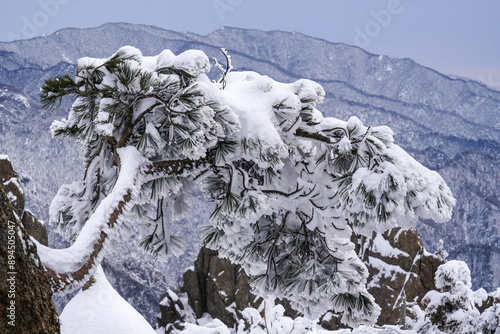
10,181
98,308
400,270
35,227
175,311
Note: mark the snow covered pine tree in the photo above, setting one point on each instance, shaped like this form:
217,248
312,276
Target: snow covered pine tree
290,185
453,309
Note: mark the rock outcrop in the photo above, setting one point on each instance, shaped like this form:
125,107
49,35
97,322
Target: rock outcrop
401,273
215,285
10,183
25,294
35,228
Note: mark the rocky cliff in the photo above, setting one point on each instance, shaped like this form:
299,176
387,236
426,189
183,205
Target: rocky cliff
25,294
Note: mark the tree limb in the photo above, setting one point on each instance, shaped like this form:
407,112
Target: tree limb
62,281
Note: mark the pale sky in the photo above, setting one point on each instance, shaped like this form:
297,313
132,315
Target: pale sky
459,37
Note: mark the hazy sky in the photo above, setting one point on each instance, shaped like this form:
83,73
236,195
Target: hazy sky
453,36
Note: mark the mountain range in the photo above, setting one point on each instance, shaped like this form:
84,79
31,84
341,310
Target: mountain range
449,124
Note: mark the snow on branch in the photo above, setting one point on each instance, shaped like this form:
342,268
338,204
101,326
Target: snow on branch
70,267
224,72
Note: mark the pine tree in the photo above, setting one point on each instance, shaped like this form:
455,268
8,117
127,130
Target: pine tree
452,309
489,322
290,186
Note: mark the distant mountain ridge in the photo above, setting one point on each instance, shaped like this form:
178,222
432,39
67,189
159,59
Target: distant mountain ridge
450,124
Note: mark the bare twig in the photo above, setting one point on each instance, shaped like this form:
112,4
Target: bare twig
224,72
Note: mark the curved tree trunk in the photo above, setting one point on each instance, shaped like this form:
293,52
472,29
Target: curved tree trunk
68,269
74,279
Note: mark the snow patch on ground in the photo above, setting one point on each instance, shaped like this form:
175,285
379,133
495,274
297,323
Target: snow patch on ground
100,309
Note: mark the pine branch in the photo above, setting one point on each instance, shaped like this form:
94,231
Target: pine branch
63,281
54,89
312,135
95,155
178,167
145,112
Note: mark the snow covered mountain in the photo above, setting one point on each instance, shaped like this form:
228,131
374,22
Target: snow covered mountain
449,124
